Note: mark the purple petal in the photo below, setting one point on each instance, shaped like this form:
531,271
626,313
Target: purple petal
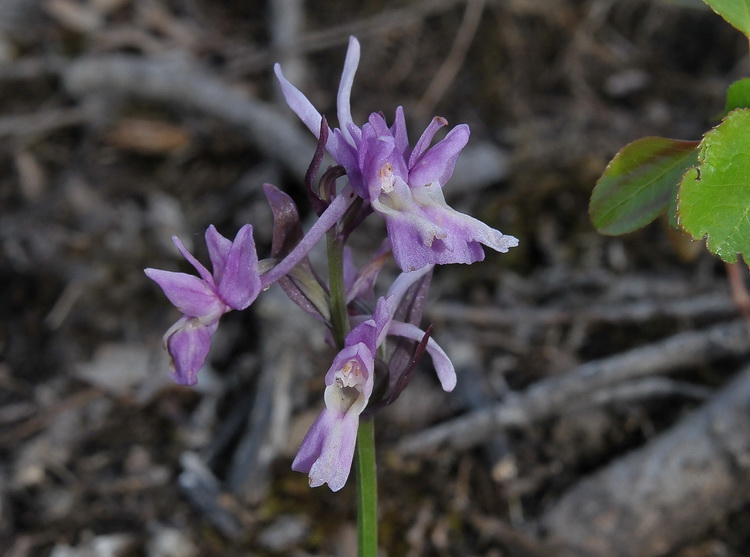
395,153
304,109
411,233
347,156
343,99
240,279
410,249
189,294
426,139
443,366
398,130
405,281
369,332
188,343
202,271
384,310
365,361
218,249
374,153
312,444
463,229
423,229
378,124
299,103
438,163
327,450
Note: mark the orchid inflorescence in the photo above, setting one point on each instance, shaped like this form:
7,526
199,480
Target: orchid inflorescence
384,175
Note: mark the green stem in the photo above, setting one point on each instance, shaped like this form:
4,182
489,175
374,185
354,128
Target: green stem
367,490
367,480
339,315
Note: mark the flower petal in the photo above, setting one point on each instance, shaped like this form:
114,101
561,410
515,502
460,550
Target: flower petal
343,98
192,296
438,163
443,366
423,143
381,319
398,130
364,370
188,342
463,229
306,112
327,450
218,249
424,230
239,282
202,271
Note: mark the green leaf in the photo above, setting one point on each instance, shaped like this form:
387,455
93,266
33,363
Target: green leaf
738,95
735,12
714,198
639,183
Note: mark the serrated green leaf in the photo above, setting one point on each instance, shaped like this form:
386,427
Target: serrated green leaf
738,95
735,12
639,183
714,198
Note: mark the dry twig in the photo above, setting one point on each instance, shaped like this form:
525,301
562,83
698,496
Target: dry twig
191,87
665,493
452,64
551,397
703,306
315,41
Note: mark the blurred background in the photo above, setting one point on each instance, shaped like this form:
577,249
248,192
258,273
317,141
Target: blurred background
124,122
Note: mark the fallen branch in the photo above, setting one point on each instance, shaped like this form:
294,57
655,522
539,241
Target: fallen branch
183,84
551,397
317,40
666,493
41,122
704,306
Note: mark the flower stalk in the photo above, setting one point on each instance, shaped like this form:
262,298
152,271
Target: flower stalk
367,490
364,456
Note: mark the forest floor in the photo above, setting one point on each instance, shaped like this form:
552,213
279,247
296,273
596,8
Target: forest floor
124,122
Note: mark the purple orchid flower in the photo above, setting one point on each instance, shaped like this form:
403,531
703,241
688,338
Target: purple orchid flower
402,184
327,450
235,284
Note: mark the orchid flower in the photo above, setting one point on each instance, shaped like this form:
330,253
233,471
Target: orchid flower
327,450
402,184
234,284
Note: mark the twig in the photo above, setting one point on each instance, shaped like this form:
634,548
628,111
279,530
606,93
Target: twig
648,387
452,64
473,392
42,122
204,491
551,397
677,486
315,41
191,87
708,305
40,421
